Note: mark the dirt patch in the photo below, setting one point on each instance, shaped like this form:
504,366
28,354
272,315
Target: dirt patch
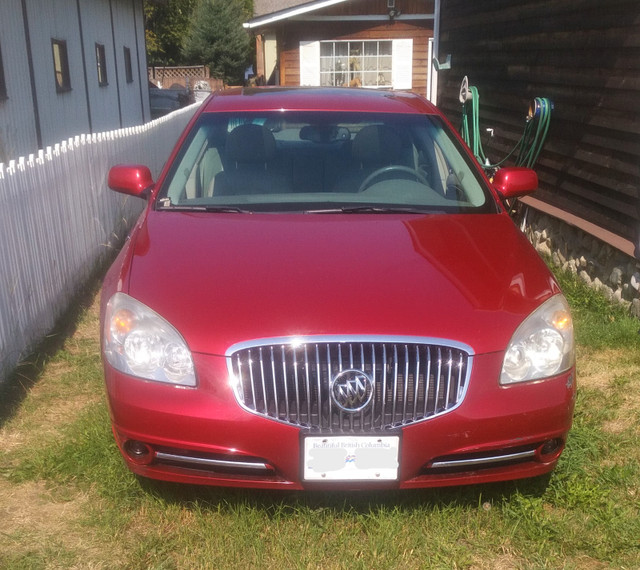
86,339
58,397
505,561
617,374
30,508
600,369
50,525
36,519
32,520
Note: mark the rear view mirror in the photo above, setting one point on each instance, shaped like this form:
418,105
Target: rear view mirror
515,181
324,133
132,179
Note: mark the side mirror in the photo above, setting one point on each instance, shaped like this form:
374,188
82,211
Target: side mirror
514,182
132,179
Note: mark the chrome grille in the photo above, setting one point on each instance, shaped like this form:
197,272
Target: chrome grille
289,380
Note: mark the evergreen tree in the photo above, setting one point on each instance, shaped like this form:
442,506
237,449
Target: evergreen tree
216,38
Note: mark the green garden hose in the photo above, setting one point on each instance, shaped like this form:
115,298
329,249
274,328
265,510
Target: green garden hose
529,146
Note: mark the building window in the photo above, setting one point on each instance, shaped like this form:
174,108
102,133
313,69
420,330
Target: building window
61,65
356,63
127,65
3,85
101,63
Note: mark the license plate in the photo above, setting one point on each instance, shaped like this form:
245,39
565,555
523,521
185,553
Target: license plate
345,458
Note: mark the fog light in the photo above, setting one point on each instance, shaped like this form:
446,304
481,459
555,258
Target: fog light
550,449
138,452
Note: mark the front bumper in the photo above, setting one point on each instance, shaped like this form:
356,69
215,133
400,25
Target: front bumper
201,435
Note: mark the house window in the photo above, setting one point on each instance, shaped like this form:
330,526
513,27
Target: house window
373,64
101,62
3,85
356,63
61,65
127,65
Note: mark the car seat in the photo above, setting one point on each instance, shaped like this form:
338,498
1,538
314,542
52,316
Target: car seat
250,163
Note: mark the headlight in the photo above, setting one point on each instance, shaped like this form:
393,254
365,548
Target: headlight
542,345
140,342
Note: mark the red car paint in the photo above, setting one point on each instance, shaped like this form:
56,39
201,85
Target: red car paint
223,278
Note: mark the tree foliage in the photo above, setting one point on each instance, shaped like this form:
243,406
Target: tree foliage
216,38
166,25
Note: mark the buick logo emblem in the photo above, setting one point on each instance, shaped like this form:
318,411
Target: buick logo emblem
352,390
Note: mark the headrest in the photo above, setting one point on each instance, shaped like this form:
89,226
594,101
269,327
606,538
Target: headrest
377,144
250,143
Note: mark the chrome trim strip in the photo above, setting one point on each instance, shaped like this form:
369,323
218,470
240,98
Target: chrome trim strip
438,375
211,462
482,460
353,338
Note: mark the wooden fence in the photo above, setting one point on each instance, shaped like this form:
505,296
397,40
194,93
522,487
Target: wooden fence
59,222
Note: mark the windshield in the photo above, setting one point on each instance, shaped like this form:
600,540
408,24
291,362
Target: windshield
323,162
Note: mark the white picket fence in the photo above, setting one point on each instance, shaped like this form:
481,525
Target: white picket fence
59,221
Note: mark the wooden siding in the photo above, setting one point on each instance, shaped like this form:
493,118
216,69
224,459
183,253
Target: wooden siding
289,39
61,114
27,123
353,7
365,7
104,106
128,26
17,124
582,54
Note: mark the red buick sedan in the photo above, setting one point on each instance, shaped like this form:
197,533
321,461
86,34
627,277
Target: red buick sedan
325,291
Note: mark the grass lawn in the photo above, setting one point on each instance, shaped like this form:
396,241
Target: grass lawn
67,500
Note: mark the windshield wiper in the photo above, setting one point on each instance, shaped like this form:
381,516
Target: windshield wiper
374,210
215,209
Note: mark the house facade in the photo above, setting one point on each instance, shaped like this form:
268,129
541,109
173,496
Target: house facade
69,67
358,43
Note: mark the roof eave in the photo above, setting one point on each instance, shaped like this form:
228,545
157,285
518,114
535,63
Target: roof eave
289,13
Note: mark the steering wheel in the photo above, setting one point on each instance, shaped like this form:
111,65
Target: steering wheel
406,169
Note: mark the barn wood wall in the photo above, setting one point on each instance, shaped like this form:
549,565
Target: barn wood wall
582,54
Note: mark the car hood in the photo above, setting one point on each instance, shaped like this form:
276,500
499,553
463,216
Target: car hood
227,278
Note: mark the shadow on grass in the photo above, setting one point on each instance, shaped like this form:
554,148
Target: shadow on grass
279,503
29,371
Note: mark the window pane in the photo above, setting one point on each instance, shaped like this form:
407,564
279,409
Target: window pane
371,48
61,65
384,48
3,85
326,64
326,49
101,65
384,63
371,79
355,48
57,64
326,80
127,65
370,63
384,79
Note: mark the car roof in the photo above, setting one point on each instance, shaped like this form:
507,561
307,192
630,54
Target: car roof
317,99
